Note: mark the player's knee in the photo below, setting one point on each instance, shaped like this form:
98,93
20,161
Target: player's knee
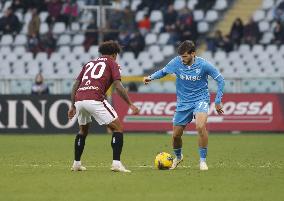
200,128
84,130
177,135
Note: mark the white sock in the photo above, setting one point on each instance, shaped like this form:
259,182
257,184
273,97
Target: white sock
116,162
77,163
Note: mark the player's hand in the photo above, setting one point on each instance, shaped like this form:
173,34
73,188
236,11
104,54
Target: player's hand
146,80
219,108
71,112
135,110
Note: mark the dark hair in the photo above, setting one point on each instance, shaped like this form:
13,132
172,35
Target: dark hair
186,47
109,48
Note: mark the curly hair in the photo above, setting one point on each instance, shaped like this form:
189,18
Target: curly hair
109,48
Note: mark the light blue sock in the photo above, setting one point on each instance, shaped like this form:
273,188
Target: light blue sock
178,153
203,153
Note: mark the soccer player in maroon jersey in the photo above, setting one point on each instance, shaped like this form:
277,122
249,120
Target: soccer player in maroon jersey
89,100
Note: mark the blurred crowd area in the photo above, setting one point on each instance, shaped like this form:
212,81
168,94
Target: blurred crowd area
268,19
121,24
55,38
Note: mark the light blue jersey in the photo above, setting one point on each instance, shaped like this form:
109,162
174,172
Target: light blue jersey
192,81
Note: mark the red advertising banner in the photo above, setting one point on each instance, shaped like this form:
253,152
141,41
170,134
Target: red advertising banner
242,112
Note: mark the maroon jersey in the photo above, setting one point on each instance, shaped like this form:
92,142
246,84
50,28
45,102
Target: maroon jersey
96,77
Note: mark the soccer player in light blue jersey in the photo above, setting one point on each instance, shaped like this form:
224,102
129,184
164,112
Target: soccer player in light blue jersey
192,97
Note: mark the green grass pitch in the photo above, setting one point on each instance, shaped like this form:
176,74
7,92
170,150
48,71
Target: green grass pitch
242,167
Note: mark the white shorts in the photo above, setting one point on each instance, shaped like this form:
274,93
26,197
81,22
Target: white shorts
102,111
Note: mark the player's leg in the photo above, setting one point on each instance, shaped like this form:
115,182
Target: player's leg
84,119
177,145
201,121
106,115
180,120
79,146
117,145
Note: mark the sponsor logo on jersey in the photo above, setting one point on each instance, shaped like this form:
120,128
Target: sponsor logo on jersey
190,77
88,88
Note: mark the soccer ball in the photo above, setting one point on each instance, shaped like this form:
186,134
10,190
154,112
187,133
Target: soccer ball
163,161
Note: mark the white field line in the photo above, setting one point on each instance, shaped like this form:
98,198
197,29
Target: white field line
238,165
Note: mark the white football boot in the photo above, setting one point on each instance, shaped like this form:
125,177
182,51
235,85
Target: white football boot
203,165
176,161
118,167
77,166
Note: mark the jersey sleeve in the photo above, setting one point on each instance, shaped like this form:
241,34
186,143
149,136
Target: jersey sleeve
216,75
168,69
115,71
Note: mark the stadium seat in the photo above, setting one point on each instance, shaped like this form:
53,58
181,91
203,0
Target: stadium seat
41,56
146,64
18,68
156,15
128,56
264,26
271,49
24,29
211,16
94,49
267,4
64,50
6,69
163,38
179,4
64,39
220,55
78,50
20,40
27,17
191,4
62,69
202,27
220,5
257,49
28,56
150,38
168,50
58,28
43,15
258,15
75,26
266,38
198,15
78,39
19,50
134,4
11,57
6,40
158,27
75,67
139,15
32,68
43,28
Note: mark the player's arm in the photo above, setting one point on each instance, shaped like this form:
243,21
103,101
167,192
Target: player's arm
217,76
218,99
123,94
157,75
72,109
168,69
